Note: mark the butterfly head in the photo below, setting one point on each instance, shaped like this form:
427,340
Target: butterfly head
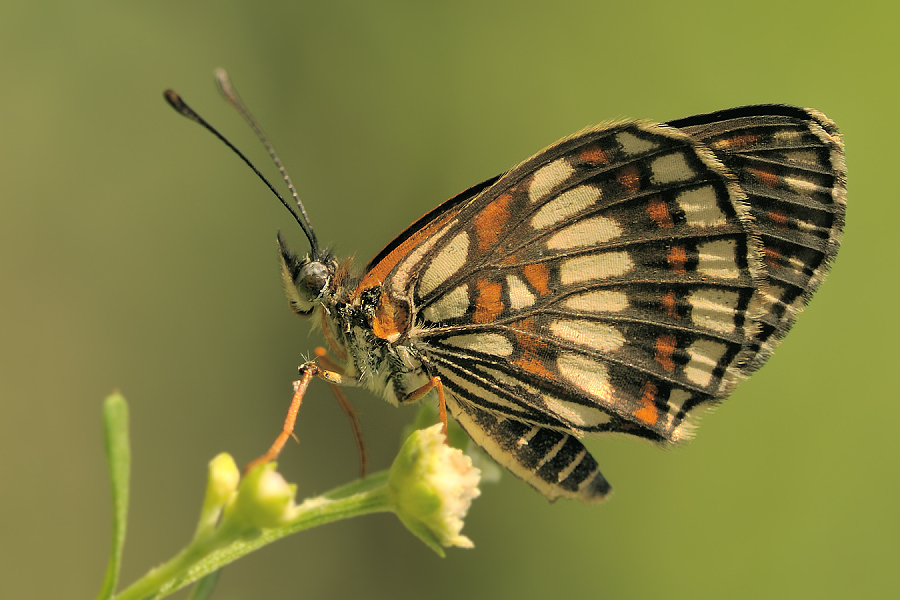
308,281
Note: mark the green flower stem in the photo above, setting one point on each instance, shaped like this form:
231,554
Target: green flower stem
118,454
208,553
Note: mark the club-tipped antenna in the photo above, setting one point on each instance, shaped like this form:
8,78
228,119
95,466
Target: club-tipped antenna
227,89
180,106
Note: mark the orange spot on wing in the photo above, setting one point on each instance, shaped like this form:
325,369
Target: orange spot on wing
737,142
769,179
538,275
779,219
391,318
594,155
648,413
534,366
489,304
491,221
772,257
665,350
534,349
669,305
630,178
659,213
677,258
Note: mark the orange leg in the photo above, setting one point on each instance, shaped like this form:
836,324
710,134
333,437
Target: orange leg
354,425
325,362
333,377
435,383
331,373
308,371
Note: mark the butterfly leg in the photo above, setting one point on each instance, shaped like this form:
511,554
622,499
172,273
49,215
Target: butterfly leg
327,363
434,384
307,372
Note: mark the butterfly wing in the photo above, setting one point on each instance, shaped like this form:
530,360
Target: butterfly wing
790,163
601,277
552,461
613,282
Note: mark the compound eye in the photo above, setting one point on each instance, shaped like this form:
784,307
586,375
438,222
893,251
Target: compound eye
312,281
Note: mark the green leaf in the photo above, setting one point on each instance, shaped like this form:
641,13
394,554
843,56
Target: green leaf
118,453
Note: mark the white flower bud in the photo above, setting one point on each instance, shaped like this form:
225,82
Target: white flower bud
432,486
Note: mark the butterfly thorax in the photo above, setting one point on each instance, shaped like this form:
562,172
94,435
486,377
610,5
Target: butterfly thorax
367,331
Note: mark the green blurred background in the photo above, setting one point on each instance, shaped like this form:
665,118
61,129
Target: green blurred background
139,254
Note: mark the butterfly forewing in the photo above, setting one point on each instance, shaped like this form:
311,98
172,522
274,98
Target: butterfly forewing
602,285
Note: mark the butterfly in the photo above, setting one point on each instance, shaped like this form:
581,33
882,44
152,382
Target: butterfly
620,280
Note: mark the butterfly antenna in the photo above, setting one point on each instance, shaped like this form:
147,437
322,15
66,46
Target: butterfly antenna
227,89
180,106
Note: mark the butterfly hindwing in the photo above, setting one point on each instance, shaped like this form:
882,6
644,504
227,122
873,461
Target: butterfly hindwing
553,462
